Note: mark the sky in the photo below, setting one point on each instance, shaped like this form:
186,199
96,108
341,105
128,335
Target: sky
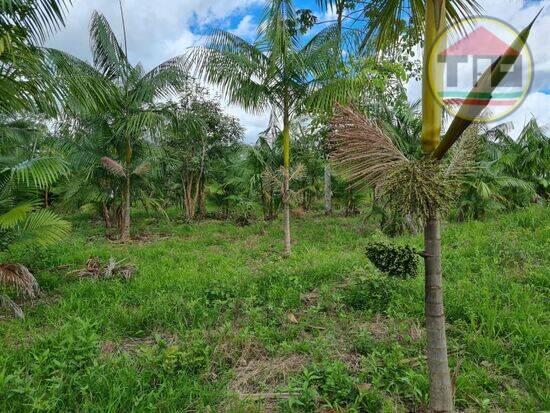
161,29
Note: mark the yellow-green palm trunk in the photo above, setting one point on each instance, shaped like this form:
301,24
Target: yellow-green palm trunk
441,393
432,78
286,182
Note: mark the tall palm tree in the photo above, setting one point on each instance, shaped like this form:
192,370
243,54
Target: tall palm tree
277,73
381,159
120,100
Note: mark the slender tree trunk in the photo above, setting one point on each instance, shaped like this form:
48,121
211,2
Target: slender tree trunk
202,198
441,394
125,227
286,183
328,189
286,213
441,397
106,215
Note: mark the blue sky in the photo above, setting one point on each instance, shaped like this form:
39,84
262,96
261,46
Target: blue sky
160,29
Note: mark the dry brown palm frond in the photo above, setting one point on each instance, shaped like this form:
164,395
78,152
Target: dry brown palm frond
113,166
94,269
20,278
361,150
7,303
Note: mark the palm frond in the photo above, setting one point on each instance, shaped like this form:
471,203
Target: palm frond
43,227
19,277
360,149
41,172
15,215
107,54
113,166
40,17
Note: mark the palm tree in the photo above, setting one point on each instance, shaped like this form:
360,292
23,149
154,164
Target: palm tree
263,158
119,100
27,170
276,73
383,164
26,87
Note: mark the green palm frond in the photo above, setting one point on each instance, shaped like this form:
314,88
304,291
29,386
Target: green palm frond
40,172
40,17
16,215
42,227
108,56
388,19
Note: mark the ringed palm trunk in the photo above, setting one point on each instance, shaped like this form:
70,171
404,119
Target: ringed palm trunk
125,228
286,183
441,393
328,189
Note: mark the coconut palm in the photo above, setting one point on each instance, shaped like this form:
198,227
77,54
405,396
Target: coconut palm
382,164
276,73
118,99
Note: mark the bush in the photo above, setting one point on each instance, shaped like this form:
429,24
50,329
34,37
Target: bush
396,261
372,292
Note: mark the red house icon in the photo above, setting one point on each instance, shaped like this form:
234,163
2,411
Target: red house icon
480,45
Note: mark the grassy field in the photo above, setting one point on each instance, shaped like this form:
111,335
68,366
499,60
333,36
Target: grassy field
215,320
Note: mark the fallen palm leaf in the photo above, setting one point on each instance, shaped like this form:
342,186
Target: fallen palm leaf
94,269
7,303
19,277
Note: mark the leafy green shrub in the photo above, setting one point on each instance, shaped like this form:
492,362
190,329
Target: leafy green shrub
396,261
364,343
219,293
328,384
191,358
372,292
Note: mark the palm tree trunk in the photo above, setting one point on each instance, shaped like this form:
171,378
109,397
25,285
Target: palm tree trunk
441,394
328,189
286,183
106,215
441,397
125,228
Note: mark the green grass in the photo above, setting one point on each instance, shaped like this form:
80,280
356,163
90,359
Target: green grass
214,310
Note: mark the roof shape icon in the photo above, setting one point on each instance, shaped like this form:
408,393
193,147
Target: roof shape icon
480,42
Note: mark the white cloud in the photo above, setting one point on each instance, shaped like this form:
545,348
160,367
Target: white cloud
246,27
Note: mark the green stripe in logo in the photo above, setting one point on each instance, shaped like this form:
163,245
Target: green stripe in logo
481,95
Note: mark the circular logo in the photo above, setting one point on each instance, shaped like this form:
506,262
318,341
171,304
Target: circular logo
458,63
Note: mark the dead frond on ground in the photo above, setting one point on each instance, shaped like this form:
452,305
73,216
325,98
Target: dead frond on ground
112,269
18,278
